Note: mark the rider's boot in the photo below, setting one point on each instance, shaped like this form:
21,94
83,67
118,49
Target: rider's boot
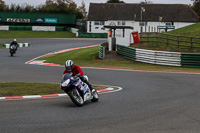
92,89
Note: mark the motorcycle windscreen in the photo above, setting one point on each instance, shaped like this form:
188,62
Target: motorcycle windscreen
66,76
12,47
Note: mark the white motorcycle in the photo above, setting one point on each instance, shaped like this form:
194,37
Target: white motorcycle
78,91
12,50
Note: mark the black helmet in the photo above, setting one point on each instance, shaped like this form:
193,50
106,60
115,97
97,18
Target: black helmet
69,65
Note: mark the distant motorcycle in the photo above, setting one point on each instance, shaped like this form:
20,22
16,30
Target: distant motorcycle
78,91
13,49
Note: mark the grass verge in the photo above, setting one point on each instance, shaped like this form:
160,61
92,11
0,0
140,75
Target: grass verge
88,57
1,45
191,30
23,89
36,34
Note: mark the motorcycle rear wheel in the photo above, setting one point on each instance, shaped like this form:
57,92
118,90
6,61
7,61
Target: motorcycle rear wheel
76,97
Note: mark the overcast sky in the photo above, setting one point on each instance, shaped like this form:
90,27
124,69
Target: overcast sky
87,2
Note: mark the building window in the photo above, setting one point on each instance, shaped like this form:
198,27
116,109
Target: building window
99,22
120,23
90,27
123,22
102,22
96,22
168,23
145,23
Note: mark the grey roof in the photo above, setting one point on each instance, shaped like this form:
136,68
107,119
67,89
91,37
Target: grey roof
124,11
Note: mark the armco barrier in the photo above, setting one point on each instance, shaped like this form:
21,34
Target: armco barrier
26,28
101,52
126,52
4,27
190,59
43,28
92,35
19,45
36,28
160,57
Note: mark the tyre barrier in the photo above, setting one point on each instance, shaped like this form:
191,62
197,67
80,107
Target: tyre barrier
19,45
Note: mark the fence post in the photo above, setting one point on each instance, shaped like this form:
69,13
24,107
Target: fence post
141,40
178,41
167,41
191,43
157,37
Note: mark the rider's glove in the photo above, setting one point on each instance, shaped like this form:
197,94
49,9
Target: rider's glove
77,75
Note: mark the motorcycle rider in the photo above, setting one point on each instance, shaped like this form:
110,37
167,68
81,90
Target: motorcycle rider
76,71
14,42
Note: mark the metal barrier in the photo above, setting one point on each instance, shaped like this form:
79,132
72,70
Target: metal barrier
36,28
126,52
102,50
190,59
19,45
92,35
160,57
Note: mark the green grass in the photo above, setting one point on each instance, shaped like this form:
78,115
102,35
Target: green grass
191,30
21,89
36,34
1,45
88,57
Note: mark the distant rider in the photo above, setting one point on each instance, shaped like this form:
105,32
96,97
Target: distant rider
14,42
76,71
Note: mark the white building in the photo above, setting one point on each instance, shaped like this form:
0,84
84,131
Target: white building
153,17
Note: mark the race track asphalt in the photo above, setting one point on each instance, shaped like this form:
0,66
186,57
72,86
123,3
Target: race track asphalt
150,102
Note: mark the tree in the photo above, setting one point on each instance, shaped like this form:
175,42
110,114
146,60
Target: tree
73,5
51,6
195,1
28,8
3,6
147,2
115,1
196,8
82,9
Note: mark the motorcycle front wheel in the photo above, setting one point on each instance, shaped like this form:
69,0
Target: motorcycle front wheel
11,53
76,97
